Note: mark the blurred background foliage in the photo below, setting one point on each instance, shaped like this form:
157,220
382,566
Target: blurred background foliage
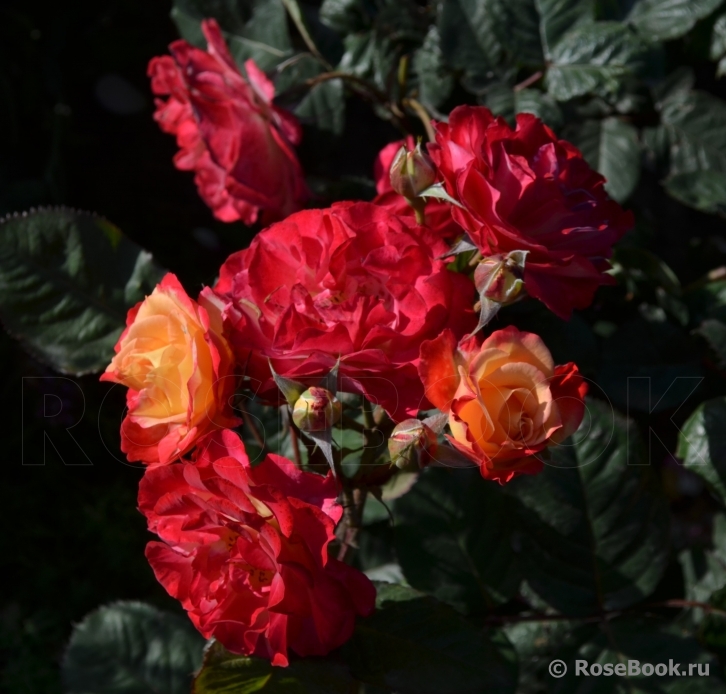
637,84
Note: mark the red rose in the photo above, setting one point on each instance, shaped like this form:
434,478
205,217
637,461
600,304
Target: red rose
524,189
438,212
230,134
179,370
506,399
353,283
245,550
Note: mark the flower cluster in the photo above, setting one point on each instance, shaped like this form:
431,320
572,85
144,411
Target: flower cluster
359,298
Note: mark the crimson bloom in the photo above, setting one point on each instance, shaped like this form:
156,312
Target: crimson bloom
353,285
240,145
245,550
523,189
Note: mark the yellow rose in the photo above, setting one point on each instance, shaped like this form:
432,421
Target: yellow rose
179,371
506,399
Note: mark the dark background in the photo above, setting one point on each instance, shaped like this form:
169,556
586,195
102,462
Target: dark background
76,129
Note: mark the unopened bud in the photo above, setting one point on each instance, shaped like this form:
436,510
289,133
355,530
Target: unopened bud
317,409
409,443
500,278
412,172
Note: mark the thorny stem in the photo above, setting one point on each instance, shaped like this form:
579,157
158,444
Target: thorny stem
354,500
293,9
364,88
419,209
423,115
368,414
528,82
694,604
714,275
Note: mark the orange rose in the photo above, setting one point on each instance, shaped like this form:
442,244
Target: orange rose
506,399
179,371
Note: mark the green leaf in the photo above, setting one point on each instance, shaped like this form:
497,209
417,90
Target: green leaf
595,58
708,301
389,29
718,39
611,147
642,265
506,102
644,639
519,28
696,127
435,82
67,280
226,673
323,106
662,20
717,49
438,192
371,55
539,104
131,648
704,570
702,190
557,17
680,81
488,38
702,444
413,644
468,40
453,540
594,525
254,29
538,643
345,16
714,332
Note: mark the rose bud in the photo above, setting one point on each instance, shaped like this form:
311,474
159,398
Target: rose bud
412,172
409,442
500,277
317,409
438,212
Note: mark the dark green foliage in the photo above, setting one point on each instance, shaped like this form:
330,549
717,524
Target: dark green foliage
614,552
414,645
67,280
131,648
594,525
452,540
